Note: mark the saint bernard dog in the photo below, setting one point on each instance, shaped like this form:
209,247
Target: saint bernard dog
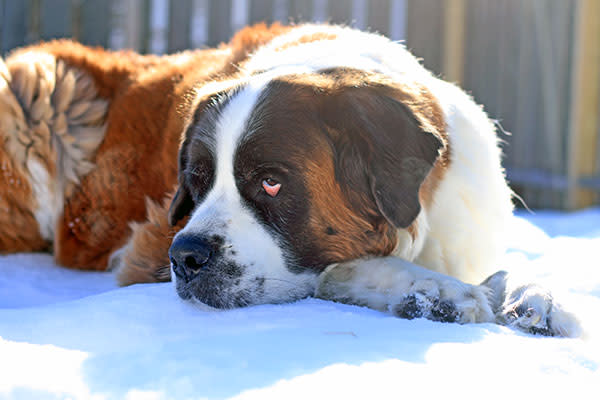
310,160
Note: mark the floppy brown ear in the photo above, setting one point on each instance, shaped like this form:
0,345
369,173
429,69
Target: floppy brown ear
207,96
181,206
387,138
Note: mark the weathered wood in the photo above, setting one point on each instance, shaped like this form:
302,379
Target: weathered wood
397,19
454,39
340,11
261,11
180,15
378,19
424,30
94,30
301,10
219,22
55,19
585,99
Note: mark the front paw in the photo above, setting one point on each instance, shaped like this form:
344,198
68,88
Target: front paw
405,289
445,300
529,308
532,309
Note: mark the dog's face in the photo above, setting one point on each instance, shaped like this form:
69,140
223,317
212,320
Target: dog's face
285,175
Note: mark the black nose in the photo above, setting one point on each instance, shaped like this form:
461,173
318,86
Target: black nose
188,255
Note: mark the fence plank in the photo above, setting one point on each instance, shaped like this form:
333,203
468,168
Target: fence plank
454,39
378,19
56,19
2,25
14,26
585,97
180,15
301,10
424,30
261,11
219,22
340,11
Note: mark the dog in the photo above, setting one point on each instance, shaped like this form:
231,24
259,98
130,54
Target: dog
296,161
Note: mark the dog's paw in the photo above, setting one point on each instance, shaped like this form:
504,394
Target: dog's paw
532,309
406,290
445,301
529,308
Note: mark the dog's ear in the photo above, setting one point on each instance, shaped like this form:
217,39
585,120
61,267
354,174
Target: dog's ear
386,137
182,203
203,99
181,206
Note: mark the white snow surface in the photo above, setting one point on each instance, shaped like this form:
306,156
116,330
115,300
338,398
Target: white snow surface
73,334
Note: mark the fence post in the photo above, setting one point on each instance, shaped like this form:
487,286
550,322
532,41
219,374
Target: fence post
454,40
585,98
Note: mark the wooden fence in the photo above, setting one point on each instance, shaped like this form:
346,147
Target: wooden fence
534,64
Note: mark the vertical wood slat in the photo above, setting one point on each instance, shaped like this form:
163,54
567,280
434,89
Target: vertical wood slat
378,16
397,19
261,11
301,10
180,16
241,14
159,17
2,25
199,24
219,22
454,39
319,10
55,19
34,21
14,24
423,32
94,27
360,13
340,12
585,99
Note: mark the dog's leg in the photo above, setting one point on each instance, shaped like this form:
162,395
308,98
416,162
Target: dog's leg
409,291
145,256
529,308
406,290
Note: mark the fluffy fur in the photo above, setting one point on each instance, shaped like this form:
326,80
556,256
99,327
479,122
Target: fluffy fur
379,163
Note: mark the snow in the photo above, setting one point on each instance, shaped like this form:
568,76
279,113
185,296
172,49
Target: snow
73,334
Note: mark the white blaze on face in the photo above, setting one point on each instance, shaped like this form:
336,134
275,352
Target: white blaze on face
247,243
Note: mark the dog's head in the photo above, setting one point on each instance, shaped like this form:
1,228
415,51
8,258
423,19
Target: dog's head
283,175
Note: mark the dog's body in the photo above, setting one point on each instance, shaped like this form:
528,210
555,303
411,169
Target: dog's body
303,148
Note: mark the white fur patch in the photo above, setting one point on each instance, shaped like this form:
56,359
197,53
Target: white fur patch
49,201
222,212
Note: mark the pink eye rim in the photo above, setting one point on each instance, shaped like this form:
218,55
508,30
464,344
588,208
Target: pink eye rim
271,186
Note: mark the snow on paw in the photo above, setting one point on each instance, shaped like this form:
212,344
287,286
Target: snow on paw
532,309
419,306
446,300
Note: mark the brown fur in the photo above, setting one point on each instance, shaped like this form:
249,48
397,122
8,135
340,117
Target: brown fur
149,101
357,235
342,233
146,255
18,226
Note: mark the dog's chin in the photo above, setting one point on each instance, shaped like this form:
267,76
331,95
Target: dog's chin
226,287
218,287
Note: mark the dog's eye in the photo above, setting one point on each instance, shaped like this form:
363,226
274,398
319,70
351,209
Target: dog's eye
271,186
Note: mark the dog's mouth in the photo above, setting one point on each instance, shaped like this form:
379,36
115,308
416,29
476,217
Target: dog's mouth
225,285
218,285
